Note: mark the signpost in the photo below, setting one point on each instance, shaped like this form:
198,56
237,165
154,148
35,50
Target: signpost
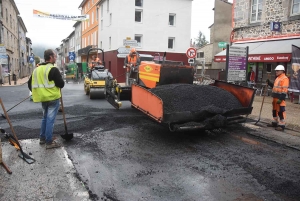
236,63
130,43
31,59
72,56
191,53
222,44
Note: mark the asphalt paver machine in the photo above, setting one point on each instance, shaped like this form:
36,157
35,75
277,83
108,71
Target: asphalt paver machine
165,92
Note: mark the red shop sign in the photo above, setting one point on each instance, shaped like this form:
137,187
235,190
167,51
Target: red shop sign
261,58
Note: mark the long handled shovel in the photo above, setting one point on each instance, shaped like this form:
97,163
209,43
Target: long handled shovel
13,138
14,106
262,103
67,136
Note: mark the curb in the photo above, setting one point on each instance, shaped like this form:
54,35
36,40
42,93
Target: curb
292,127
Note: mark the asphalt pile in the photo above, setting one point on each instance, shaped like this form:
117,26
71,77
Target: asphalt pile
188,97
203,101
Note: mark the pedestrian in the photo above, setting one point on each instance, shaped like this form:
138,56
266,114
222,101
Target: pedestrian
250,77
45,84
279,92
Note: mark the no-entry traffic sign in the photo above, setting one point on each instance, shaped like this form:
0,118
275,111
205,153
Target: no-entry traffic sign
191,53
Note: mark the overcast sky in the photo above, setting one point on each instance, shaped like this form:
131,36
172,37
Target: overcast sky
51,32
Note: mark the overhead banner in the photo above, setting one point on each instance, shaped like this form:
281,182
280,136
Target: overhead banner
37,13
295,76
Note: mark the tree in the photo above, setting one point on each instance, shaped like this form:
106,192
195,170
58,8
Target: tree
37,59
201,40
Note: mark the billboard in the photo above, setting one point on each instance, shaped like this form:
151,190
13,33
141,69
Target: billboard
295,76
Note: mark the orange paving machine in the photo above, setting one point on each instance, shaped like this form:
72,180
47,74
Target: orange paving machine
151,75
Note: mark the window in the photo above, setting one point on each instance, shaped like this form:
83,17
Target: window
138,38
97,13
109,44
101,44
101,10
172,19
1,14
110,19
138,16
101,24
200,55
256,10
92,2
10,20
296,7
6,16
171,42
139,3
92,17
89,5
107,6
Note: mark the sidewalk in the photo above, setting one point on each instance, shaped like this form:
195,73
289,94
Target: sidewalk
19,82
292,112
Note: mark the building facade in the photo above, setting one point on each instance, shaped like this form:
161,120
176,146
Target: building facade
29,53
77,27
89,28
219,33
269,28
9,37
143,25
23,65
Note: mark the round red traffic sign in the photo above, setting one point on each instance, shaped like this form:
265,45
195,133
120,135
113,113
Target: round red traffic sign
191,53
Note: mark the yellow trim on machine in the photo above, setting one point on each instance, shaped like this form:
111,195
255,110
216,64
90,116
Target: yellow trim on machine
152,74
149,78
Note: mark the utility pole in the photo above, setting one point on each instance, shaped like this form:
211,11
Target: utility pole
8,66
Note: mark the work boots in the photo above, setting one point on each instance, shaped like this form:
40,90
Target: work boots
280,128
273,124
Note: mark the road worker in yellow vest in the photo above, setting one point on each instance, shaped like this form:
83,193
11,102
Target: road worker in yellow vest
279,93
45,84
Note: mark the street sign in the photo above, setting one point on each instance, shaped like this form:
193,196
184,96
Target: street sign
131,43
71,56
31,59
222,44
2,49
191,61
123,50
3,59
236,63
191,53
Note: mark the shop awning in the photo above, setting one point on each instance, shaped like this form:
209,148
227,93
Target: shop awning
265,51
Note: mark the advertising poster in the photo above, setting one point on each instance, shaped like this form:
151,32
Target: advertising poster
295,74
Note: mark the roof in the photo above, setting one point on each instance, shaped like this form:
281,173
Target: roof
267,47
22,23
77,23
211,25
82,3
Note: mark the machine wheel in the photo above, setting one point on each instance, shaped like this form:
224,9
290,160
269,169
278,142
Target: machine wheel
91,95
87,92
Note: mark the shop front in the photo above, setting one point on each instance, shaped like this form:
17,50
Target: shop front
264,56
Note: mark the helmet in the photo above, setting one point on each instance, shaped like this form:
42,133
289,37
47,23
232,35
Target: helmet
132,50
280,67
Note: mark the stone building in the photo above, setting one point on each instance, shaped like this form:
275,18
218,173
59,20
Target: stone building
9,37
269,28
219,32
23,65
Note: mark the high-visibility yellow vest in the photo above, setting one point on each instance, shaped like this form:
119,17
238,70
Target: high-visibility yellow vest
43,90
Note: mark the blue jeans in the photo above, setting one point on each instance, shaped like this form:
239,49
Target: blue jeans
50,110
